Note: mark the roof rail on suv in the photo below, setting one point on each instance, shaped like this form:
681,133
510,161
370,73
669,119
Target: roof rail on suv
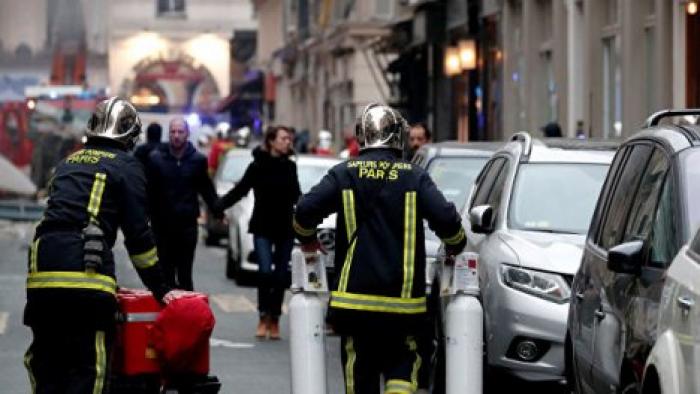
526,140
655,118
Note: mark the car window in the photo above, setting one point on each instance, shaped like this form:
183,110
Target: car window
604,198
234,167
695,246
494,199
486,181
664,239
647,198
311,173
555,197
454,176
623,193
690,168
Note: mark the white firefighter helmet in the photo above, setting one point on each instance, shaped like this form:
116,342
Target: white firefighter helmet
115,119
380,126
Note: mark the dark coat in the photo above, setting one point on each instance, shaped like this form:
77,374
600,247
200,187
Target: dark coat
381,202
104,182
276,189
173,186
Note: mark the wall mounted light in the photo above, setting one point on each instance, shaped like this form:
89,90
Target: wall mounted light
452,61
467,54
691,7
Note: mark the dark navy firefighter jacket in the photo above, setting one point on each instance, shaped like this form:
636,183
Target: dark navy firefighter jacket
380,274
104,182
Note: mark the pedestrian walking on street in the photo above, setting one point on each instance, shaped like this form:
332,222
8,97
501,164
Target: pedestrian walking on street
177,174
71,283
153,135
273,178
378,301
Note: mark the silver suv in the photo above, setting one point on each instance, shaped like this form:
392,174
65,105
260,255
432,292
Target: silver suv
528,215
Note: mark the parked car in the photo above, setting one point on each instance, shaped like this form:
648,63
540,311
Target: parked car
231,170
453,166
672,366
649,207
241,262
528,215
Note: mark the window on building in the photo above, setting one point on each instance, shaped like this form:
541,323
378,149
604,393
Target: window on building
650,56
170,8
612,12
384,9
612,88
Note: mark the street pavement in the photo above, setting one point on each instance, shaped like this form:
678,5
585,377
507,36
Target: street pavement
243,364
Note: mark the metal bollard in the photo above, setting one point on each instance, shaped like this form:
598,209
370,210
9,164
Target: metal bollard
463,326
307,326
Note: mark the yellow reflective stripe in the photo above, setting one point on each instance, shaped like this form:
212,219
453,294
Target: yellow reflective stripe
304,232
146,259
350,228
98,187
100,362
350,366
33,256
28,364
398,386
455,239
71,280
374,303
413,346
409,243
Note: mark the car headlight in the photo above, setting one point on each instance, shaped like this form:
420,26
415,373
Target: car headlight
551,287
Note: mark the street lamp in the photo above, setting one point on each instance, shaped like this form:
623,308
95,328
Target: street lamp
467,54
452,61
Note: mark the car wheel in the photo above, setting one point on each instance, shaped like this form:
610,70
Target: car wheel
211,240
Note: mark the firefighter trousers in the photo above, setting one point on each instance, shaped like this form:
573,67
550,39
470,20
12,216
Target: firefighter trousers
69,361
367,358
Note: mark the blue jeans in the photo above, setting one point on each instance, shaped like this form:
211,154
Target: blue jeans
272,284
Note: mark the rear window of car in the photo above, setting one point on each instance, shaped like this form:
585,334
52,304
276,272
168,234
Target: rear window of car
234,167
454,176
691,179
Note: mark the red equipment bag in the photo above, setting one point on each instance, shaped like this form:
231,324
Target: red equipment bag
157,340
181,335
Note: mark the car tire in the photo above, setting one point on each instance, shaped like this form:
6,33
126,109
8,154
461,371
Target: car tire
212,240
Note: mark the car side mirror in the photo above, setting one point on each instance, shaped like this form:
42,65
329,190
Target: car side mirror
626,258
481,219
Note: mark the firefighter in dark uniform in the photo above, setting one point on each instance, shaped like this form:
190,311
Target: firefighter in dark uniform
71,286
378,301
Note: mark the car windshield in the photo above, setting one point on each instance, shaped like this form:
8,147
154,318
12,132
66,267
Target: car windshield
454,176
555,197
691,170
234,167
310,173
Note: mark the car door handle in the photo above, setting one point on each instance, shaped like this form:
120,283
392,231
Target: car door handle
579,296
685,303
599,313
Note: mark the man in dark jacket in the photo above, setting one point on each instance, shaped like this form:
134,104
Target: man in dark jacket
71,282
273,178
177,174
378,301
153,135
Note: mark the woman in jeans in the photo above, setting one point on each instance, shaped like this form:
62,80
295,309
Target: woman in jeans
273,178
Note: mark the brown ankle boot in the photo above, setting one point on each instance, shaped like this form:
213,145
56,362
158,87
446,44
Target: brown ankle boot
263,327
274,329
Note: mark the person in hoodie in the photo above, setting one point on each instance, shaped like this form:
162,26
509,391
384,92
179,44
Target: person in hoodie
153,135
177,173
273,178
